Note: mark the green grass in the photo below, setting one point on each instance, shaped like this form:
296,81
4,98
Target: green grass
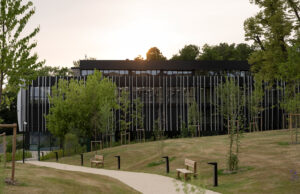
265,164
35,180
283,143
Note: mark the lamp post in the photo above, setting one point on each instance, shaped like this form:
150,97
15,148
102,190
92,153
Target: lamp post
24,127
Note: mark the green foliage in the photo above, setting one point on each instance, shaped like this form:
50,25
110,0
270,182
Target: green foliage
54,71
125,111
61,153
184,129
82,108
187,53
154,54
256,98
224,51
18,156
157,132
17,64
71,142
19,144
137,114
231,106
275,32
193,116
272,30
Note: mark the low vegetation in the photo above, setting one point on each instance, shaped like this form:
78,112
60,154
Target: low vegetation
35,180
262,159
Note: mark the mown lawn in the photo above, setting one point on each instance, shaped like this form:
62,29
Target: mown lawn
36,180
269,164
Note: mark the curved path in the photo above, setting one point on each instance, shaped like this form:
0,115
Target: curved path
143,182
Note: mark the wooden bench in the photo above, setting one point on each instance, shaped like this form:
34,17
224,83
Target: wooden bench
188,163
98,159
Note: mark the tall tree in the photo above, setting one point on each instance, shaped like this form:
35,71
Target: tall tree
139,58
154,54
271,30
225,51
187,53
275,30
81,107
18,65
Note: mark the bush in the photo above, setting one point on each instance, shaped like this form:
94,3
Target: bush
19,144
184,130
18,156
71,142
61,153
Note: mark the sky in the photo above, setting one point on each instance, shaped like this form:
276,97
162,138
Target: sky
124,29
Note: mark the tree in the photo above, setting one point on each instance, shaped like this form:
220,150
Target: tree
226,52
193,115
81,107
231,106
137,114
17,64
139,58
125,111
275,30
187,53
54,71
256,100
154,54
271,30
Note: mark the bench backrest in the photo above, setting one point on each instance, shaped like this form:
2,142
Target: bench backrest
99,157
190,163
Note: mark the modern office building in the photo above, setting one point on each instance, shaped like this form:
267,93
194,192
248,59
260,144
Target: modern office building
165,88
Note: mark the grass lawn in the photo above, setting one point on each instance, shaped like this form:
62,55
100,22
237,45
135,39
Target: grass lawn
269,164
33,179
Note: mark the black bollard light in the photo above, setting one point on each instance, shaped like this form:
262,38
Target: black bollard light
81,155
56,155
119,162
43,154
167,163
215,164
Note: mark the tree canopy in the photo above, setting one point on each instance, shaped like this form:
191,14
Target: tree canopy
154,54
54,71
18,65
226,52
187,53
274,29
81,107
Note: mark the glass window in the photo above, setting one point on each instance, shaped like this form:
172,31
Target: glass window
169,72
84,72
90,72
138,72
154,72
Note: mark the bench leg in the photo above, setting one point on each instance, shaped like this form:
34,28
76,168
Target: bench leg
178,174
185,176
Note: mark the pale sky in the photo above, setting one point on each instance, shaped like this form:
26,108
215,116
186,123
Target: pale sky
121,29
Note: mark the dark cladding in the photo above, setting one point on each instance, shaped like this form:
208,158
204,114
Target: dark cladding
166,88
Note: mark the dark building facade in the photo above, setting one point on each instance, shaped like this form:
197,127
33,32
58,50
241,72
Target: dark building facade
165,88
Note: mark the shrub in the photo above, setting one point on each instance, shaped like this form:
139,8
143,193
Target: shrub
18,156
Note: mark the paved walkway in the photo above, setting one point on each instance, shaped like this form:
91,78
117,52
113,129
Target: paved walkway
143,182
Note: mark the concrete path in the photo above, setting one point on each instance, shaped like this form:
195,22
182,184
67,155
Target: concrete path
143,182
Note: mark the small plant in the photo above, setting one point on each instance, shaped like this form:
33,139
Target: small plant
231,106
184,130
193,115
